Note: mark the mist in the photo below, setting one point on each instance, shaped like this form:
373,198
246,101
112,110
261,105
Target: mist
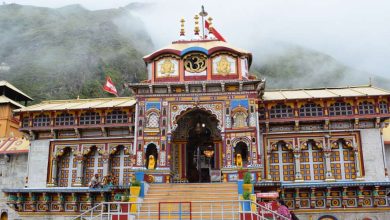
353,32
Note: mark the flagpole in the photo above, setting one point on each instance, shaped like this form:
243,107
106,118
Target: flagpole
203,14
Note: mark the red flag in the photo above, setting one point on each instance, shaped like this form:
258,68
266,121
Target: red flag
109,86
215,32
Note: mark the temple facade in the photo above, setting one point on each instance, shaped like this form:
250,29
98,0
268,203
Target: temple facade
202,117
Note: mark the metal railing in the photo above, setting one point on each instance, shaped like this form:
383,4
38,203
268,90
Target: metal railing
204,210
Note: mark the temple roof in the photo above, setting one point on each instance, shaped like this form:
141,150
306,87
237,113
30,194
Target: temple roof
74,104
355,91
208,47
13,92
14,145
4,100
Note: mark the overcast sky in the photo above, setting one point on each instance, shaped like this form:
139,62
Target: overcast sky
355,32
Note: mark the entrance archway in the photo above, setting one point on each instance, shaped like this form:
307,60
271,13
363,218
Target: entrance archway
200,140
4,216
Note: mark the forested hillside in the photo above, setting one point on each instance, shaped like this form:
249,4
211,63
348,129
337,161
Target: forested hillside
67,52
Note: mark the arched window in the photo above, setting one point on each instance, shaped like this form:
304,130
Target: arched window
64,119
342,161
282,163
311,110
90,118
67,166
366,108
281,111
116,117
41,121
153,120
383,107
340,108
312,162
121,167
93,164
239,120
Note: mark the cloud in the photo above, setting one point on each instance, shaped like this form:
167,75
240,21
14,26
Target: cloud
354,32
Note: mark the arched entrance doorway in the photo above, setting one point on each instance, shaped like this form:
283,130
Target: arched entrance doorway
196,145
4,216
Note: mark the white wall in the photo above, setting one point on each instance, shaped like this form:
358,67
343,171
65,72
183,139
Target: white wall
387,153
37,164
372,155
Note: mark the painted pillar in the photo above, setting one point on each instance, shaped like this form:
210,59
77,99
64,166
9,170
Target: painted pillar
54,172
106,162
267,164
79,171
297,162
327,152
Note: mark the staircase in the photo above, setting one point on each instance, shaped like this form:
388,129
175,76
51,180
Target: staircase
206,200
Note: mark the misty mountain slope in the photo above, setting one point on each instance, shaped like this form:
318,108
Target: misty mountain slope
298,67
66,52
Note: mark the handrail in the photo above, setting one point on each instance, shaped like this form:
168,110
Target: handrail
203,209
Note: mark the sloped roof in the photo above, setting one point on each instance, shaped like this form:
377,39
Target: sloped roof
4,100
356,91
11,87
14,145
73,104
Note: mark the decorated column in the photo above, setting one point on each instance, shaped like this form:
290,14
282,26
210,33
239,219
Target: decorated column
53,181
267,165
297,162
327,152
79,171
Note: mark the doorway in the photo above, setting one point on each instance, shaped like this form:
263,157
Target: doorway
198,129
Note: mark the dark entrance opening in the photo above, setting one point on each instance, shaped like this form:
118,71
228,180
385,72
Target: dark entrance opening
201,134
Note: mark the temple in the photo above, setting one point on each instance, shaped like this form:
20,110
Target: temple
202,117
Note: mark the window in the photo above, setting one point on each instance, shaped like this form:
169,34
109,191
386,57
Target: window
90,118
117,117
25,122
67,165
312,162
340,108
41,121
343,162
93,164
239,120
282,163
310,110
366,108
153,120
281,111
261,113
383,107
65,119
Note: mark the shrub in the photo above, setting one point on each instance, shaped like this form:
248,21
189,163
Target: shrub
136,183
246,195
247,178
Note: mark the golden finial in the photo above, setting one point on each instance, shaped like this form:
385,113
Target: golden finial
210,20
196,30
182,33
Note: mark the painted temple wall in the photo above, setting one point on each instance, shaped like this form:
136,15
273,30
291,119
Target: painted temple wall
37,165
387,154
372,155
12,175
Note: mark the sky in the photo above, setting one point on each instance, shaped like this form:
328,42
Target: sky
355,32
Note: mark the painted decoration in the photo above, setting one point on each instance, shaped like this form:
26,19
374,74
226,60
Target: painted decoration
155,105
167,67
239,102
195,65
224,65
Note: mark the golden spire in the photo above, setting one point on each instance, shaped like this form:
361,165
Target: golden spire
182,32
210,20
196,30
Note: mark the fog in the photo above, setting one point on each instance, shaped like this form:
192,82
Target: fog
355,32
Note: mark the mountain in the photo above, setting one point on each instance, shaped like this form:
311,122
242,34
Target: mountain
67,52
